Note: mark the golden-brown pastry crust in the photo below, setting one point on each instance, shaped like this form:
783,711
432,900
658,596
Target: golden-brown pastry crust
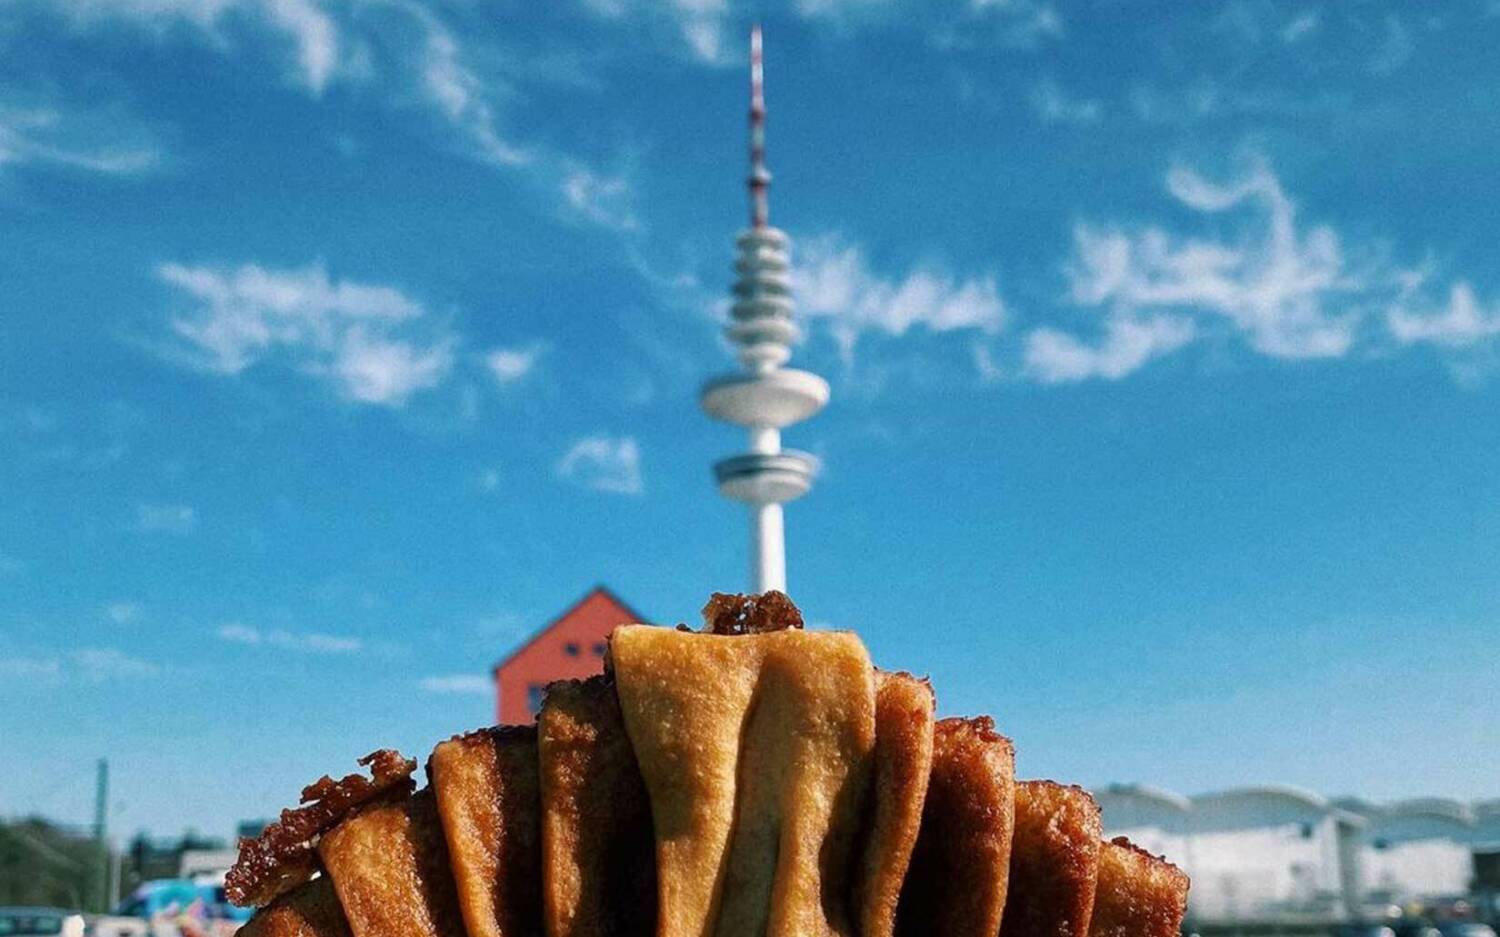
1054,862
1138,895
903,766
282,856
598,848
756,750
957,883
487,789
311,909
389,864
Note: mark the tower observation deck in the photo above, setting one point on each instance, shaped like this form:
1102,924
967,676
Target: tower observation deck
764,397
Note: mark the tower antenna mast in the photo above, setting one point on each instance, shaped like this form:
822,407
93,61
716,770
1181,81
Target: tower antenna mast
764,397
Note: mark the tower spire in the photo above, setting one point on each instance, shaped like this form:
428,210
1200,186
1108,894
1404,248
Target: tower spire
760,177
765,397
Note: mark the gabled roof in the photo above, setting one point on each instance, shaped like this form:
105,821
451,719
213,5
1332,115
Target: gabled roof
542,631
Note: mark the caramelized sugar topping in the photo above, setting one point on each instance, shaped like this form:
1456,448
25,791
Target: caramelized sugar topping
737,613
282,856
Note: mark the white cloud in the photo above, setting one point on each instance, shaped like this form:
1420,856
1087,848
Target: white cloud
1056,106
1022,24
20,668
1054,357
373,369
89,665
489,480
99,665
458,92
604,463
1301,26
374,343
87,141
605,200
315,34
1287,290
458,684
834,283
426,63
509,365
304,22
697,25
1395,49
122,613
1461,323
177,519
304,642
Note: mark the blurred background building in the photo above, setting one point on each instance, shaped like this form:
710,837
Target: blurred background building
1280,853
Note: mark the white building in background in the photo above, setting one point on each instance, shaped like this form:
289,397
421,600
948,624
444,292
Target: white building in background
1422,847
1280,852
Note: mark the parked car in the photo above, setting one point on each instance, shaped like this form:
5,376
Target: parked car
47,922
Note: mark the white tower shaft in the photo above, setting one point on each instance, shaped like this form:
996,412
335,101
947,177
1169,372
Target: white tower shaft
764,397
767,548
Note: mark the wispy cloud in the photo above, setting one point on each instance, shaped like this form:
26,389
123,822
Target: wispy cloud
85,141
308,642
89,665
1395,49
122,613
373,343
607,201
1021,24
1056,106
509,365
696,26
1460,323
458,92
604,463
423,60
24,669
489,480
836,286
98,665
1301,26
177,519
313,35
458,684
1054,357
1288,290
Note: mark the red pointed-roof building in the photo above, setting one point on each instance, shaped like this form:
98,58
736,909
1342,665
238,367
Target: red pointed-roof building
571,646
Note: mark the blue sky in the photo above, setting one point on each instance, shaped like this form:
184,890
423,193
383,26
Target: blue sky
346,342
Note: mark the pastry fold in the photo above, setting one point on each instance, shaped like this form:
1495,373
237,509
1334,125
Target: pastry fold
389,864
311,909
598,850
487,789
1139,895
903,765
956,886
756,751
1054,862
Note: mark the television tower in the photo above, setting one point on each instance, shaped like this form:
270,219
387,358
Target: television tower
764,397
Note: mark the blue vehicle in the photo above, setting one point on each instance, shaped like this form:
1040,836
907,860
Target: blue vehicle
171,907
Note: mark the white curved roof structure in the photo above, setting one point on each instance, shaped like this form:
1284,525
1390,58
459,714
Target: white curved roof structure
1132,806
